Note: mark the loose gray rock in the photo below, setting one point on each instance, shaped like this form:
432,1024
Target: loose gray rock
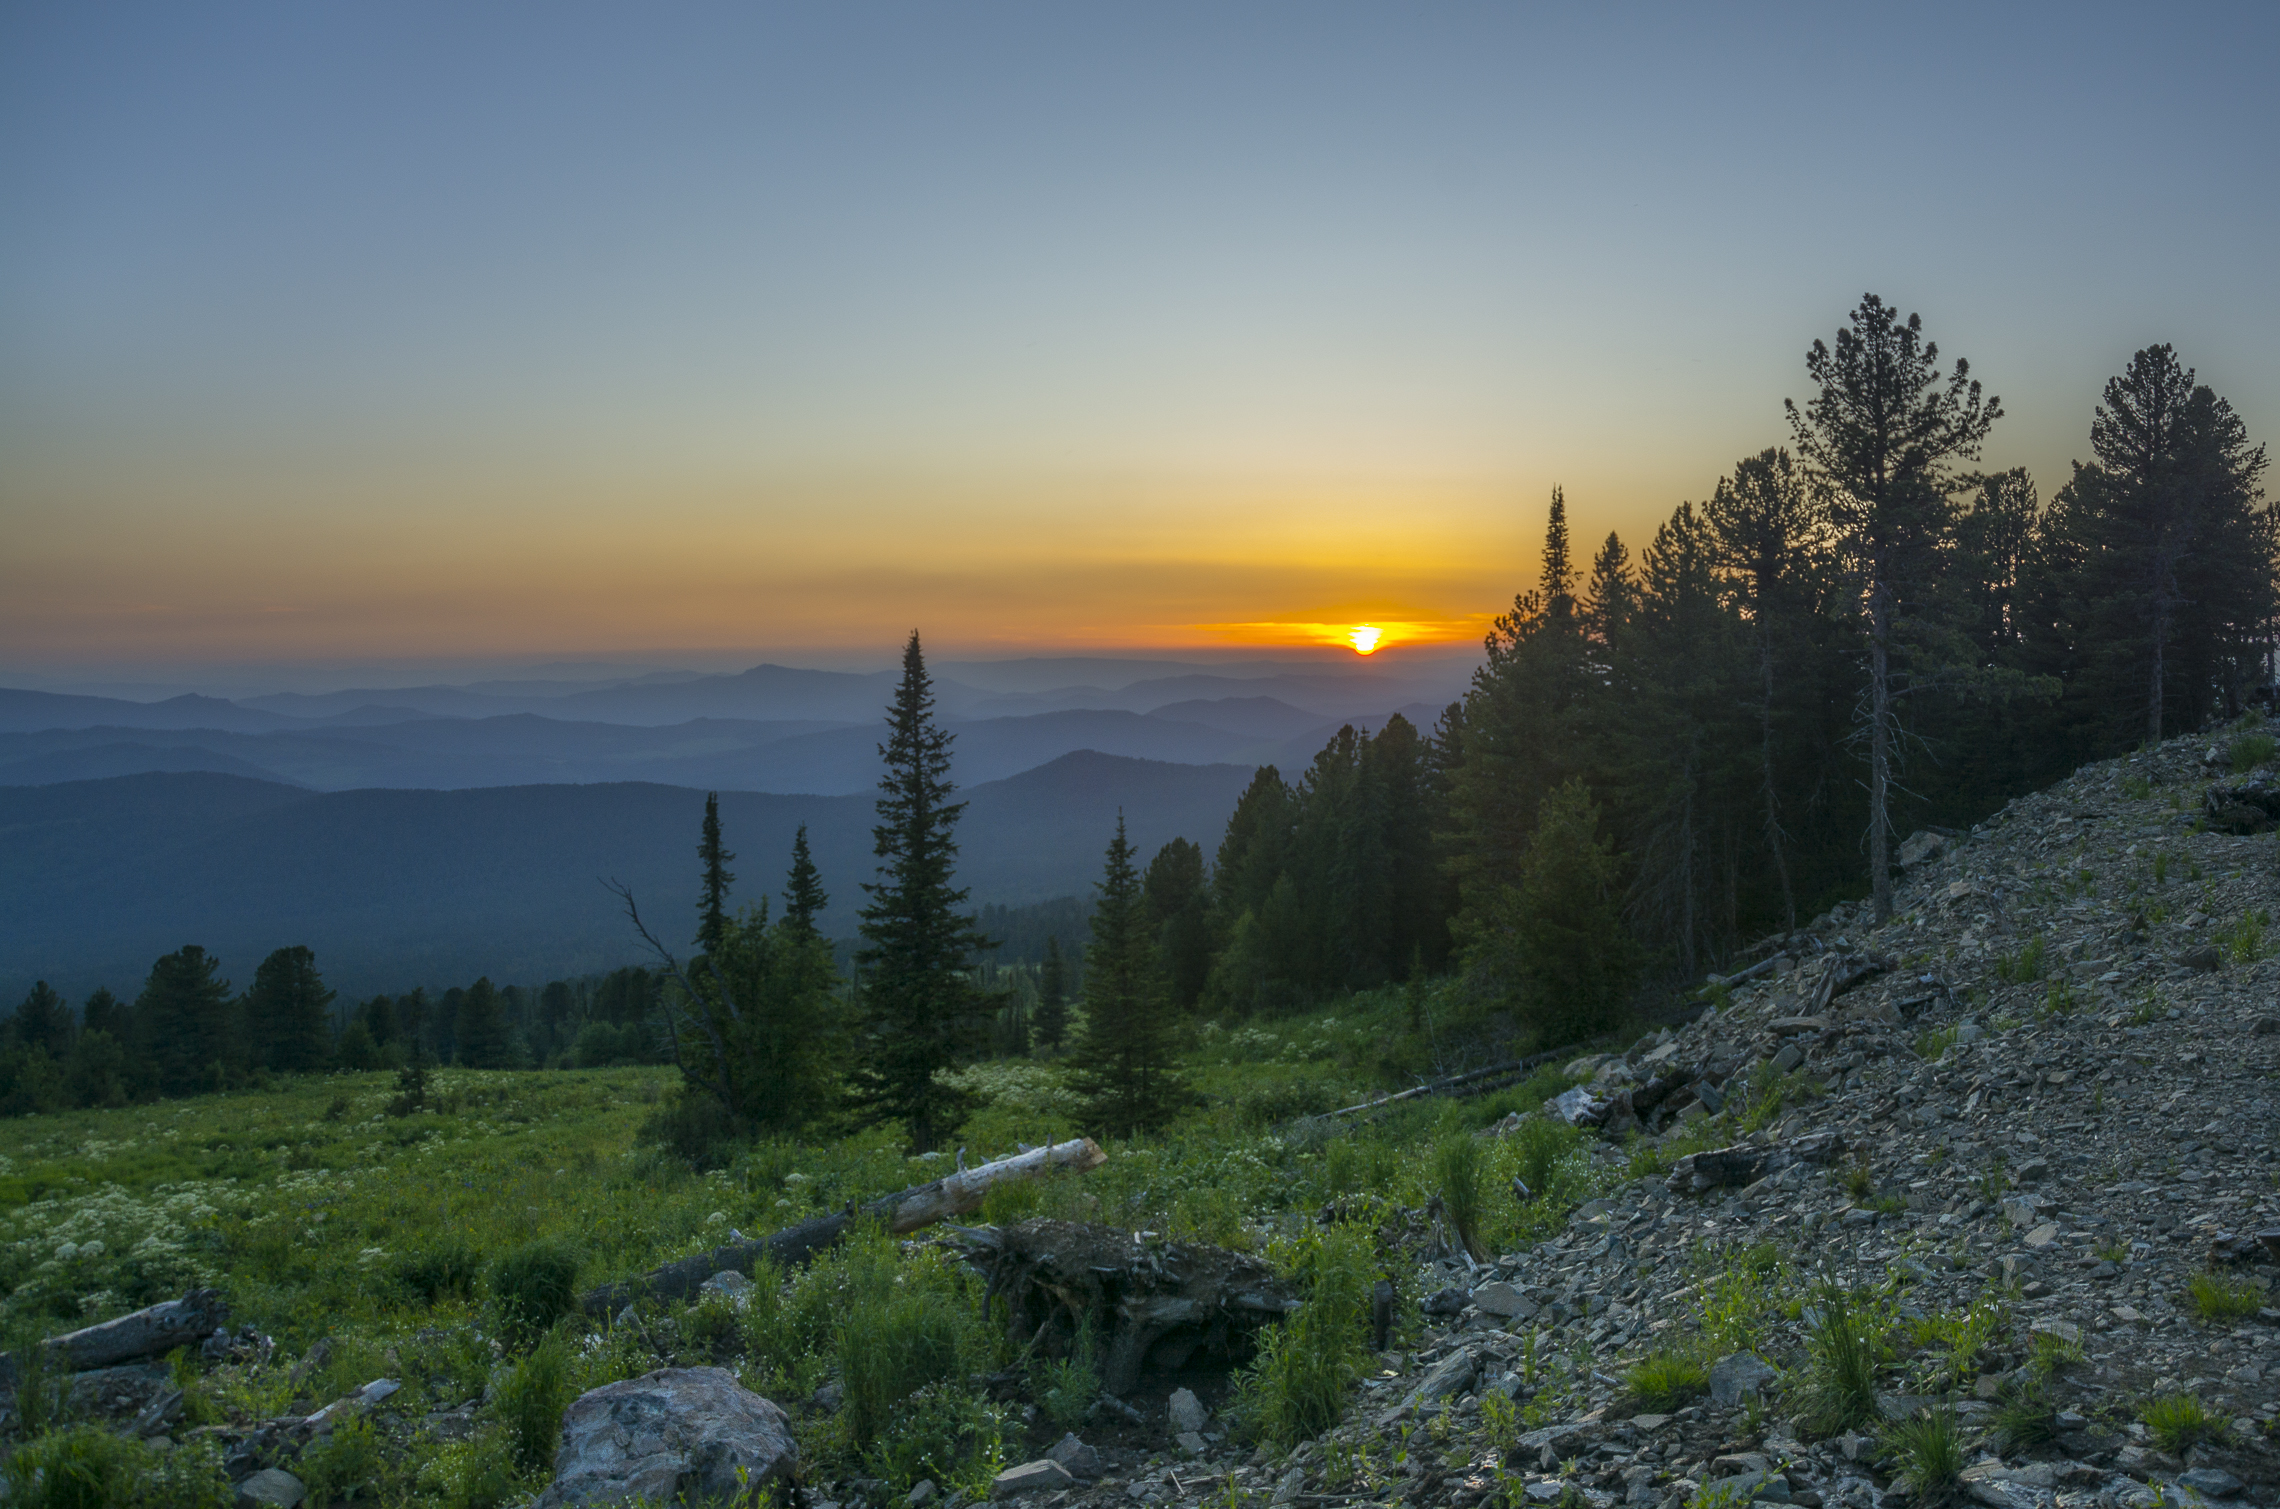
1738,1376
1080,1459
1451,1375
271,1488
2213,1481
728,1282
677,1432
1503,1301
1186,1411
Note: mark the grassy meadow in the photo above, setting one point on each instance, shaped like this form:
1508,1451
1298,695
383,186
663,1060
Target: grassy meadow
404,1246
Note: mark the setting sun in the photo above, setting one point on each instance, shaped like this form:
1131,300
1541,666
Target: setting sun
1363,637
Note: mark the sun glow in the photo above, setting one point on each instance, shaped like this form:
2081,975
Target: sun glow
1364,638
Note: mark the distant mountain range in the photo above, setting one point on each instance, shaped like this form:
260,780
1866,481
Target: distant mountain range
396,888
371,746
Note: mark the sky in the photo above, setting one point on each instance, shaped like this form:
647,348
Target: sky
333,333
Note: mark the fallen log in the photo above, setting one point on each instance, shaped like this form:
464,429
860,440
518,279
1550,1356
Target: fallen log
1468,1081
147,1332
954,1194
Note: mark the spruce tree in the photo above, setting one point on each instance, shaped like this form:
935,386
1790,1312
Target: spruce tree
1052,1022
480,1032
804,897
286,1022
712,902
921,1011
1556,938
1124,1064
181,1019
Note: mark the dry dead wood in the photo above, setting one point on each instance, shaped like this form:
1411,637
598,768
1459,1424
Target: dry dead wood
954,1194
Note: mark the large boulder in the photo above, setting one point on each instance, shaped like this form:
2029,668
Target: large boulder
693,1433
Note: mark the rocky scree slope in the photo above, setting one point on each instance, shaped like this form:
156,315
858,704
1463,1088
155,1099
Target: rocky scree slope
2016,1129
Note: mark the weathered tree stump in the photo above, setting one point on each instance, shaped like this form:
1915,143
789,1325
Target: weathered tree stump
1151,1304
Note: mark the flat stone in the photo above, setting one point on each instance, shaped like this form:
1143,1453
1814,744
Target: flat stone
1738,1376
1288,1486
1788,1058
1504,1302
2213,1481
922,1493
1192,1442
271,1488
2043,1235
1451,1375
2060,1330
1031,1477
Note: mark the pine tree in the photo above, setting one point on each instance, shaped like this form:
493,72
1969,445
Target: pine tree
1555,940
1124,1064
921,1010
1179,912
43,1020
105,1012
1883,437
1052,1021
181,1019
804,898
286,1021
712,903
480,1031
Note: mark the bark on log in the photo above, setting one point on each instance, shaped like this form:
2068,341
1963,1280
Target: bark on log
954,1194
1468,1082
146,1333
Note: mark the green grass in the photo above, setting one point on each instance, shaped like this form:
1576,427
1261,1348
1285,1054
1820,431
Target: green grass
1844,1345
2025,965
2248,751
2222,1297
2178,1422
446,1247
1663,1381
1928,1454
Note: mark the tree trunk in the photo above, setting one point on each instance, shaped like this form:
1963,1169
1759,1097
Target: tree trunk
1765,765
956,1194
1880,747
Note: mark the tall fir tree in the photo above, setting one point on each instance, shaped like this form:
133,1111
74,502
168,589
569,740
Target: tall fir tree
480,1030
1125,1064
182,1020
1883,439
287,1025
105,1012
1051,1025
712,895
804,898
922,1012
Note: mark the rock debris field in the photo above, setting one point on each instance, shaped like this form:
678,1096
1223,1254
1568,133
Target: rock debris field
2027,1125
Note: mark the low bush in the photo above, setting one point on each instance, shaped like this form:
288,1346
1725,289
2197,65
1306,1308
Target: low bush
1066,1387
2247,751
534,1286
80,1468
447,1269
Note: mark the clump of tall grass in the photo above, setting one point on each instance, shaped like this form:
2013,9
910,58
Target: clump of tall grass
1929,1454
1836,1389
1296,1388
530,1400
1662,1381
2218,1296
1457,1179
2178,1422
